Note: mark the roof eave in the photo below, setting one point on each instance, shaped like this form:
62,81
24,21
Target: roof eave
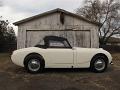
53,11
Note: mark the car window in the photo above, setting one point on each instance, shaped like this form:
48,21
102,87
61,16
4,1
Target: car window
66,44
55,44
58,44
40,44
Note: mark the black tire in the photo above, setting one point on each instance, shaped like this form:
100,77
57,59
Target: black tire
93,64
38,59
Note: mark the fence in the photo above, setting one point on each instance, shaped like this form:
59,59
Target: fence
8,47
111,48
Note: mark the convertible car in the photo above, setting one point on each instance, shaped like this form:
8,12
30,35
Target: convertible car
56,52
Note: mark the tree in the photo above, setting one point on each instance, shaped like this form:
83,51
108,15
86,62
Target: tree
105,12
3,30
10,36
7,35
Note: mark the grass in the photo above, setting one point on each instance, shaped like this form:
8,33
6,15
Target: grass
116,56
4,57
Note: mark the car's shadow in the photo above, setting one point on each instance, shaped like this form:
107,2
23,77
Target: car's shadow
19,70
65,70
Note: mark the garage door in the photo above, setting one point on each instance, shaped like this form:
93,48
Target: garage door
78,38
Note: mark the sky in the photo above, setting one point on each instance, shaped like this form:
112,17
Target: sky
15,10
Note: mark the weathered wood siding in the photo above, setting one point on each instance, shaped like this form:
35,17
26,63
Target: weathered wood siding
52,22
76,38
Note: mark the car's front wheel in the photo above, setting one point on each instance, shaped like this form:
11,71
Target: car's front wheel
98,64
34,64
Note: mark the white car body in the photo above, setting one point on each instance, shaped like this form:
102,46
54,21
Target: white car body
75,57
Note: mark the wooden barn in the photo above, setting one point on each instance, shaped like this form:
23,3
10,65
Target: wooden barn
79,31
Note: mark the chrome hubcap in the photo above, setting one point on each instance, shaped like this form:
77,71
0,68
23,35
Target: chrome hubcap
99,64
34,65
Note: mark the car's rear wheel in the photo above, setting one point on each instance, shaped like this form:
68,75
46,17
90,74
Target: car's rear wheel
98,64
34,63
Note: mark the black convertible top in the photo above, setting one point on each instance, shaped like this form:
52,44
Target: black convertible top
47,40
55,38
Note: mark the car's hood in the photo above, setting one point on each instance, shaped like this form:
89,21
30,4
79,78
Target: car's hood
26,49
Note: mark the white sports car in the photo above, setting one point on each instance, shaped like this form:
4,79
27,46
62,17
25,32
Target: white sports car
58,53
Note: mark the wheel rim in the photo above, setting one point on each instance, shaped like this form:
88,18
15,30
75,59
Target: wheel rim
99,64
34,65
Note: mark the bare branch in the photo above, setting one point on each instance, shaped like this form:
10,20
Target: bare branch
107,13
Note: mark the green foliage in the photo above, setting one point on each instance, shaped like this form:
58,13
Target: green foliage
7,36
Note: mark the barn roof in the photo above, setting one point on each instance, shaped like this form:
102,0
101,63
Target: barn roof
54,11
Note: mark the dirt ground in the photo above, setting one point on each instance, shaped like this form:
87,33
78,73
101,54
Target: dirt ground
13,77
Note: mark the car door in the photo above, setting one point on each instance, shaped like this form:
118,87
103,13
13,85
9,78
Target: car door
58,53
59,56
